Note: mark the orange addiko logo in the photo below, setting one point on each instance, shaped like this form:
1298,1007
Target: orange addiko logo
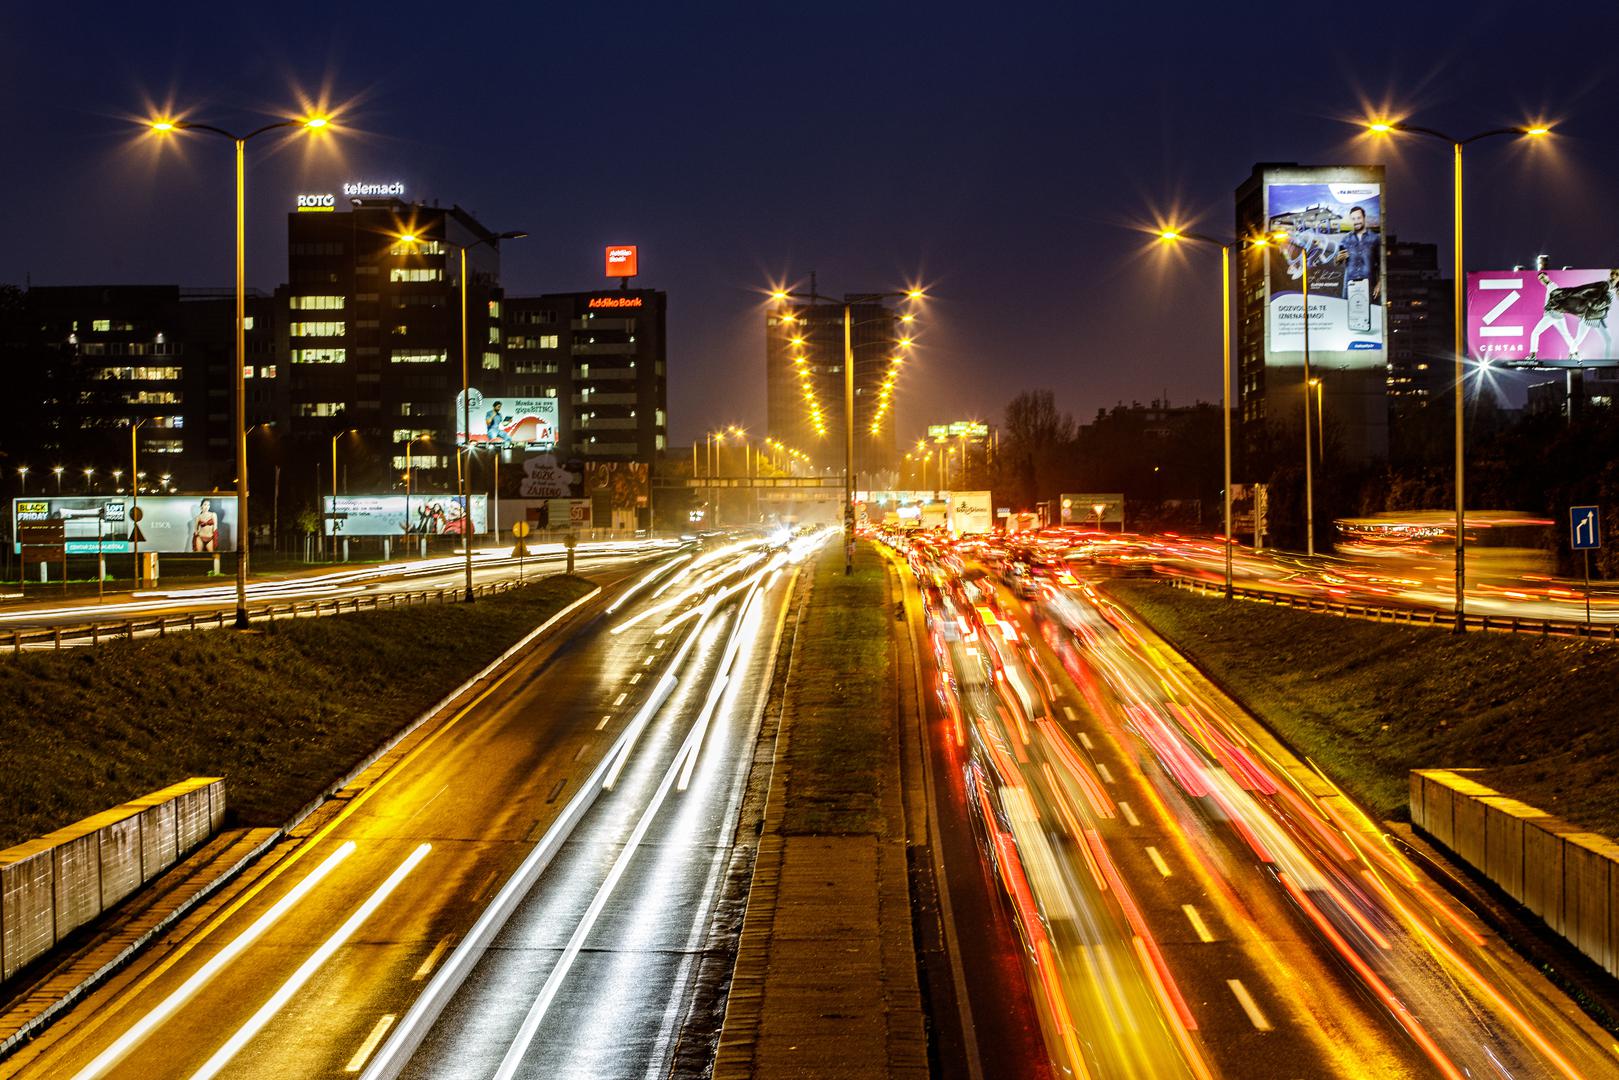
621,260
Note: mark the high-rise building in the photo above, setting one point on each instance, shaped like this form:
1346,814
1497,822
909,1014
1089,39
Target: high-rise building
373,317
804,381
1349,357
601,354
1420,328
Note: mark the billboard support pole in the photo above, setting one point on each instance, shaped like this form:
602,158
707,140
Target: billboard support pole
1309,468
848,439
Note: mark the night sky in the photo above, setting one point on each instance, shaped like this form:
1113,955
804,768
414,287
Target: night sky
1003,154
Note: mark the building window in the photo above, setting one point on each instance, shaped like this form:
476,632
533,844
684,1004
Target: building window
414,273
152,374
494,309
317,408
494,335
419,356
417,247
319,356
410,434
162,446
267,371
317,303
548,341
419,461
175,422
424,408
317,329
491,361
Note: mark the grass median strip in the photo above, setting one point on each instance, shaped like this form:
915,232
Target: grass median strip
279,713
1368,702
842,701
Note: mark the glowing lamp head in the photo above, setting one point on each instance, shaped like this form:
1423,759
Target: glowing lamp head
163,126
1169,236
778,296
913,294
1380,127
1537,131
315,123
408,238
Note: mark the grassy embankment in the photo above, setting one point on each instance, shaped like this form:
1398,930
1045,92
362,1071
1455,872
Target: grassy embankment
1368,702
279,713
841,701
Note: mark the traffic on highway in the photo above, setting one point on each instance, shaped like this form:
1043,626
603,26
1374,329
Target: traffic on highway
1190,898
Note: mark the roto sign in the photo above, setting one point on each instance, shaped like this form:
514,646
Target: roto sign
614,302
621,261
316,203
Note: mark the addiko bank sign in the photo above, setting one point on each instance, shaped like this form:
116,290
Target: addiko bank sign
598,303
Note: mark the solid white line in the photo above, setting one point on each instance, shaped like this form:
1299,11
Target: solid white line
1101,770
1197,922
357,1062
1085,741
222,1057
1129,814
1158,861
432,959
1246,1000
143,1027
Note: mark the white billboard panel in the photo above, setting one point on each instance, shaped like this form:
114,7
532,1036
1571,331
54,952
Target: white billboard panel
396,515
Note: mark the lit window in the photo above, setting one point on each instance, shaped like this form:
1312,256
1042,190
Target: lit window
419,461
319,356
317,303
101,324
247,322
494,335
317,329
548,341
417,247
402,273
267,371
419,356
494,309
317,408
491,361
408,434
162,446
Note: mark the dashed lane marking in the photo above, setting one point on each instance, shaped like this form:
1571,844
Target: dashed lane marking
1158,861
1246,1000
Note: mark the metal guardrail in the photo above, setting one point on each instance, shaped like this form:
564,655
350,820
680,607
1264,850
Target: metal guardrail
59,637
1506,624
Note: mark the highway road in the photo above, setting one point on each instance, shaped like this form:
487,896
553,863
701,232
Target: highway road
338,583
1191,900
522,894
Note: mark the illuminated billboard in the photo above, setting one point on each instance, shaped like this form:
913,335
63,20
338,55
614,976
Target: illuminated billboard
621,261
1325,225
421,514
1551,317
172,524
530,423
958,429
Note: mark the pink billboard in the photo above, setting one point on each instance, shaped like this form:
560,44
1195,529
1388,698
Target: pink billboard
1541,316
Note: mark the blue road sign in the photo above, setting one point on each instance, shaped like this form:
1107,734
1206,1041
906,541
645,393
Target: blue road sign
1585,528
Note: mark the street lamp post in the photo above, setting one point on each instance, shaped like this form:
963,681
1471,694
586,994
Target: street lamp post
1458,317
1170,236
135,497
464,451
22,479
848,394
57,471
335,438
167,126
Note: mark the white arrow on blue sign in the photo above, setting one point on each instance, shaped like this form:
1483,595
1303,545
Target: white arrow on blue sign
1585,528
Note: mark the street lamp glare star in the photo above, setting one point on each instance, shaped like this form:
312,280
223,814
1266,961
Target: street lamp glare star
1537,130
317,122
163,125
1169,236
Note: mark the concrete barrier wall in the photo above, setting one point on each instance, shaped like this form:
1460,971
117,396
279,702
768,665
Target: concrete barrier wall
1563,874
56,883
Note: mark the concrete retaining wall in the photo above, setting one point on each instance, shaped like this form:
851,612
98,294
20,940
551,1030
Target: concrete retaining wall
1565,875
51,885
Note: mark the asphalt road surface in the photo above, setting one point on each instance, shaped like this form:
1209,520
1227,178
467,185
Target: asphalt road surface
520,895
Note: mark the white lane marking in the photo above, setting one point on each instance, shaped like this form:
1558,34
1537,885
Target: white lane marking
1101,770
603,721
647,661
1068,711
1158,861
635,678
658,644
1246,1000
1201,927
143,1027
620,699
581,751
1129,814
357,1062
432,960
317,959
1085,741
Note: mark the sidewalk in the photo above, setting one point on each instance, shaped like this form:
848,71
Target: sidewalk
826,980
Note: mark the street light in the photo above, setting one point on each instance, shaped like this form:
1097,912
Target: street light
1458,315
89,475
464,451
914,295
335,438
57,471
1171,236
22,478
167,126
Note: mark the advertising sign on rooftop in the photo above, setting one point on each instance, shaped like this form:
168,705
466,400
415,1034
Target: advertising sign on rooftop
1325,225
621,260
1548,317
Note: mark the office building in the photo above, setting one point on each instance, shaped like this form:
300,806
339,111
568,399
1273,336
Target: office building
1420,328
373,330
90,362
804,380
601,355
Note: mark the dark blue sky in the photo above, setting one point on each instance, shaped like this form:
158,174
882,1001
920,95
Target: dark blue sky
1001,153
